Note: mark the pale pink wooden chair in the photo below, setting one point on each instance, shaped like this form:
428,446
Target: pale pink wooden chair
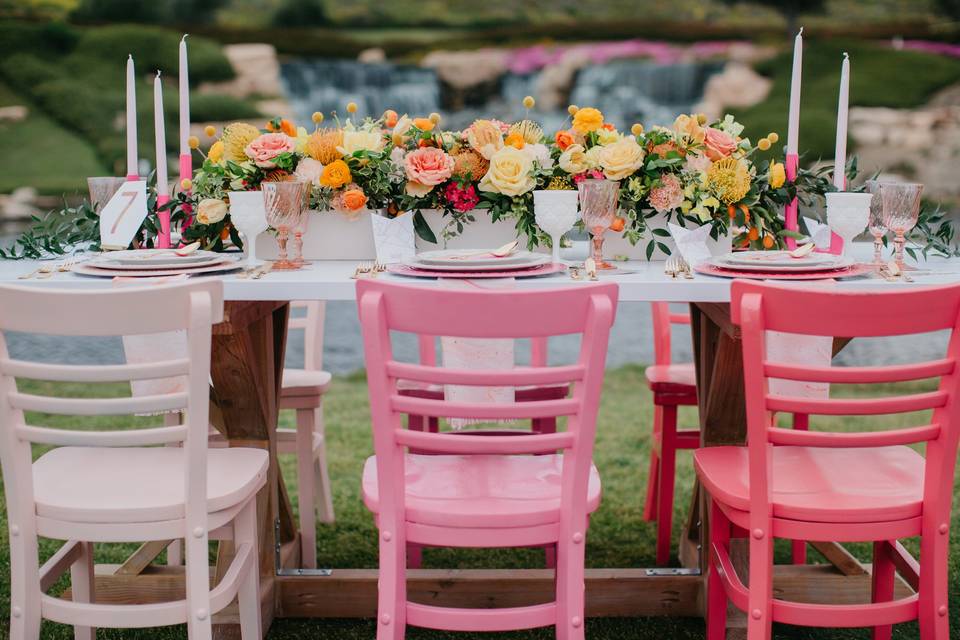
303,391
483,491
116,486
815,485
673,385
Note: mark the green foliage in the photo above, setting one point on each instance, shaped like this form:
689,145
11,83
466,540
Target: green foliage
207,107
169,11
301,12
57,233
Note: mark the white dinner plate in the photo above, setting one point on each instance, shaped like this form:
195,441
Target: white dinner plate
535,260
88,269
782,259
475,257
797,267
154,258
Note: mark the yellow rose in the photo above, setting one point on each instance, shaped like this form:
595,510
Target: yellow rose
608,136
689,126
587,119
593,157
360,140
215,154
621,158
485,138
573,160
510,173
778,175
211,210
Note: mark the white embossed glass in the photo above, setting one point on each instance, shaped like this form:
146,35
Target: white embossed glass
249,216
848,215
556,213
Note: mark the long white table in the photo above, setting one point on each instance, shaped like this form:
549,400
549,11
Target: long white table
246,362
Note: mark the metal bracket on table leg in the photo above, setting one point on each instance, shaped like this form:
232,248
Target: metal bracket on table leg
678,571
281,571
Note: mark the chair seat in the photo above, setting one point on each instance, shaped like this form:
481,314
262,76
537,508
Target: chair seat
107,485
482,490
822,485
304,382
672,378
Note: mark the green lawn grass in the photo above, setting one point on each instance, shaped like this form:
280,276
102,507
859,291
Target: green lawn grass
618,535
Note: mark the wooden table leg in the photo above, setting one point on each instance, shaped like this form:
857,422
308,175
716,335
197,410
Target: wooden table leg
246,368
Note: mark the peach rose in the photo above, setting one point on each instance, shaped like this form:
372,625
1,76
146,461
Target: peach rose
719,144
485,137
353,199
427,167
264,150
564,139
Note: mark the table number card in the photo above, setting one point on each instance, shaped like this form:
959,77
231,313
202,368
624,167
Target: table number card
123,214
393,238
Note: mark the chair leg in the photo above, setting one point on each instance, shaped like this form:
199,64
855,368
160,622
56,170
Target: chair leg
324,489
882,583
392,586
248,595
25,614
175,553
760,608
668,459
934,613
716,592
81,584
197,578
653,475
305,486
570,583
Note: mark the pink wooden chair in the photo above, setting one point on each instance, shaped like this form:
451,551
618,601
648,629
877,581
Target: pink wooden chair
303,391
673,385
115,486
841,487
483,491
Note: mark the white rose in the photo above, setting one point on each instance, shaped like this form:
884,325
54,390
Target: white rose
621,158
360,140
510,173
309,171
211,210
593,157
573,160
540,154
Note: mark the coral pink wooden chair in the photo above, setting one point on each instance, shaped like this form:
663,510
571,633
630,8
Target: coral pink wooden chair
115,486
673,385
483,491
303,391
814,485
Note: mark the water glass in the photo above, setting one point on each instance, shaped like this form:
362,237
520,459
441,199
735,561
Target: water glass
848,215
249,216
901,208
556,213
877,227
285,203
598,205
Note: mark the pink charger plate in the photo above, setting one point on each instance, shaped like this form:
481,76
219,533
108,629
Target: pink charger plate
847,272
543,270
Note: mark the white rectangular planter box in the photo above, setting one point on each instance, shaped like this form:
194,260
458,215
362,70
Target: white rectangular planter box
330,235
616,245
481,234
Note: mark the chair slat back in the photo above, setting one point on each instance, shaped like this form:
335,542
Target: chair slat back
192,307
385,307
312,325
760,307
663,318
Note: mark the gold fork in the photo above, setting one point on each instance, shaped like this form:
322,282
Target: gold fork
38,272
670,268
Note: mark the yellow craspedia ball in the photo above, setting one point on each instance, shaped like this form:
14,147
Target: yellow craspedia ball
193,142
702,118
210,130
773,137
186,184
435,118
351,107
572,109
636,129
763,144
317,117
529,102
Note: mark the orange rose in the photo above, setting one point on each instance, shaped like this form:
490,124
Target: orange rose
514,140
424,124
335,175
354,199
286,126
563,139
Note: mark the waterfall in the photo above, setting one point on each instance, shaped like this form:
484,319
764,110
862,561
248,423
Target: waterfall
626,90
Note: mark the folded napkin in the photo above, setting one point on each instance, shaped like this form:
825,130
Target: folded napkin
820,233
691,243
477,354
393,238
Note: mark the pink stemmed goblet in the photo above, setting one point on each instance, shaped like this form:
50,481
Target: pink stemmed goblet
285,203
598,206
877,226
901,208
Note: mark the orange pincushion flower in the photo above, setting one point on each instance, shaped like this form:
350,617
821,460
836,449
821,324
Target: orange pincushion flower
514,140
354,199
322,145
424,124
335,175
564,139
470,164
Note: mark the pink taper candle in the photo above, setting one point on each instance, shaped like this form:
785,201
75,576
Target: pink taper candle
163,186
132,169
793,135
186,159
